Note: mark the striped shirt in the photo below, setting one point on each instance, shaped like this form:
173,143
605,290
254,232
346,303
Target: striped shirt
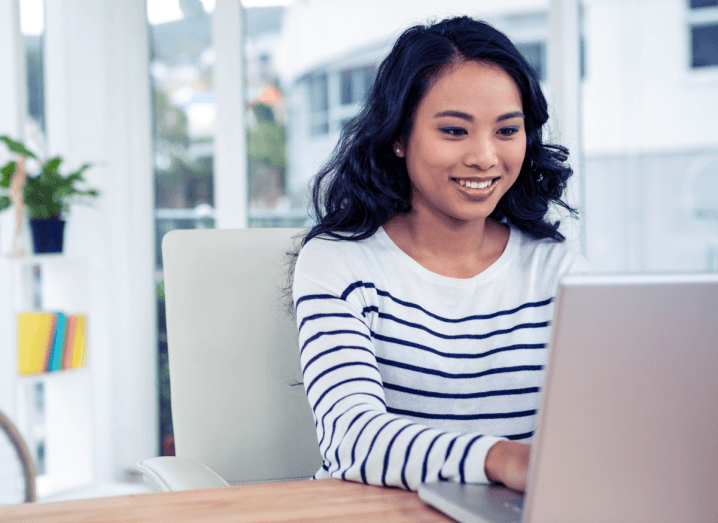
413,376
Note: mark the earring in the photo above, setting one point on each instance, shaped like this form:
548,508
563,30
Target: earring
397,150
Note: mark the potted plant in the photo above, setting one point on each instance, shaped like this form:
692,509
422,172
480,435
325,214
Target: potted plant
46,194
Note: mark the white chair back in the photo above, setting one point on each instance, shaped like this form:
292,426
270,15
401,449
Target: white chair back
237,402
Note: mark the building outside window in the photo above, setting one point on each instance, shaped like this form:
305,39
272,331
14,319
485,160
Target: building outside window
270,203
355,84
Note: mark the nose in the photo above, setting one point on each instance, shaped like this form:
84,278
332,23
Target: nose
481,154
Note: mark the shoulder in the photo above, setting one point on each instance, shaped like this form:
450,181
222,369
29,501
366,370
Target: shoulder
549,255
336,263
322,251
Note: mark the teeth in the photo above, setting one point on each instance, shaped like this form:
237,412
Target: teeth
474,185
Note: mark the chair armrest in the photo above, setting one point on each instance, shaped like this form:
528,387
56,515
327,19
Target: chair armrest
169,473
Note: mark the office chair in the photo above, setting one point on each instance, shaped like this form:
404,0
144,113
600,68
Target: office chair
239,410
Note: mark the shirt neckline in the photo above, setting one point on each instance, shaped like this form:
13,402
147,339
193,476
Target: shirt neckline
487,274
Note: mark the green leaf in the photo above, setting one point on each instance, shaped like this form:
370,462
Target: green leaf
16,147
52,165
7,172
62,193
5,202
82,169
74,177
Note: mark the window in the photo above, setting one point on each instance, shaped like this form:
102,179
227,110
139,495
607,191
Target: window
182,78
32,13
355,84
704,201
319,105
703,33
535,54
704,45
346,87
695,4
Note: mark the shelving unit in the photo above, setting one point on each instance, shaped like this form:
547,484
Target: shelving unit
53,411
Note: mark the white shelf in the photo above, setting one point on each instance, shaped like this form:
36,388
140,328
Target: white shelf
41,259
54,375
63,283
65,426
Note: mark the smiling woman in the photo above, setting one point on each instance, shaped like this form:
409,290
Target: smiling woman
424,292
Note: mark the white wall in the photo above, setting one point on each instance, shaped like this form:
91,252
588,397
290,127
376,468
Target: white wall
12,94
98,111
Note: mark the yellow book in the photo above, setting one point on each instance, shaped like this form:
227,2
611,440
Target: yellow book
78,345
34,330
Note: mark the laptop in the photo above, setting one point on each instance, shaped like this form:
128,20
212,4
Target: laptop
628,424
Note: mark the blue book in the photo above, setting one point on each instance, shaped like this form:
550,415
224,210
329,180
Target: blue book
55,362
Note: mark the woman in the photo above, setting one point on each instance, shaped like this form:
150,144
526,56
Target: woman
424,293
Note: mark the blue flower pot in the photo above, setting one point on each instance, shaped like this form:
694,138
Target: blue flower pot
47,235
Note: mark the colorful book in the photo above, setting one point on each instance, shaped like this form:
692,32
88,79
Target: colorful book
50,342
69,340
34,330
78,346
55,362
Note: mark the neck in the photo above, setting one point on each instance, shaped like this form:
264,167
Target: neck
454,248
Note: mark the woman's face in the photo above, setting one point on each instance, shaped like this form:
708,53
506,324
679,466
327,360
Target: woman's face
467,142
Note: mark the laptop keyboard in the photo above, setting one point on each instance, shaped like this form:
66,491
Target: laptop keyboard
517,505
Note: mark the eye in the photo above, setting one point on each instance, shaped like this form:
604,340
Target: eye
454,131
508,131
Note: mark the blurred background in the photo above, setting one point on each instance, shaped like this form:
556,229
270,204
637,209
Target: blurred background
217,113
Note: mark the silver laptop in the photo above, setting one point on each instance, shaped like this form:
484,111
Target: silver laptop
628,424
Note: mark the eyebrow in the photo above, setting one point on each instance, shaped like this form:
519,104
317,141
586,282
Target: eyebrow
508,116
469,118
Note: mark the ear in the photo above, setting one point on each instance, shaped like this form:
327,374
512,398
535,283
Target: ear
398,149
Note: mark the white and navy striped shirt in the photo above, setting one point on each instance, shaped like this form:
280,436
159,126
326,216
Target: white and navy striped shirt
411,375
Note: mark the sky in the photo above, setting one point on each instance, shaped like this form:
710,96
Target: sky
162,11
264,3
158,12
32,19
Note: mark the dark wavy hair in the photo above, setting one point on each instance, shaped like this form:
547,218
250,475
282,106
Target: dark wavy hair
364,184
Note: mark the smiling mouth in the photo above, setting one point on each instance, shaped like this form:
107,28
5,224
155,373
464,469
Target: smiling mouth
474,184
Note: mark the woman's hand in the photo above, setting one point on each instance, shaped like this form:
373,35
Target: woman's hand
507,462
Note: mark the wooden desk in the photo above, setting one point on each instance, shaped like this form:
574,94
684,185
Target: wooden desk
321,500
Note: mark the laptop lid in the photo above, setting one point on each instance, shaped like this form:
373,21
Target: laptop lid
628,425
